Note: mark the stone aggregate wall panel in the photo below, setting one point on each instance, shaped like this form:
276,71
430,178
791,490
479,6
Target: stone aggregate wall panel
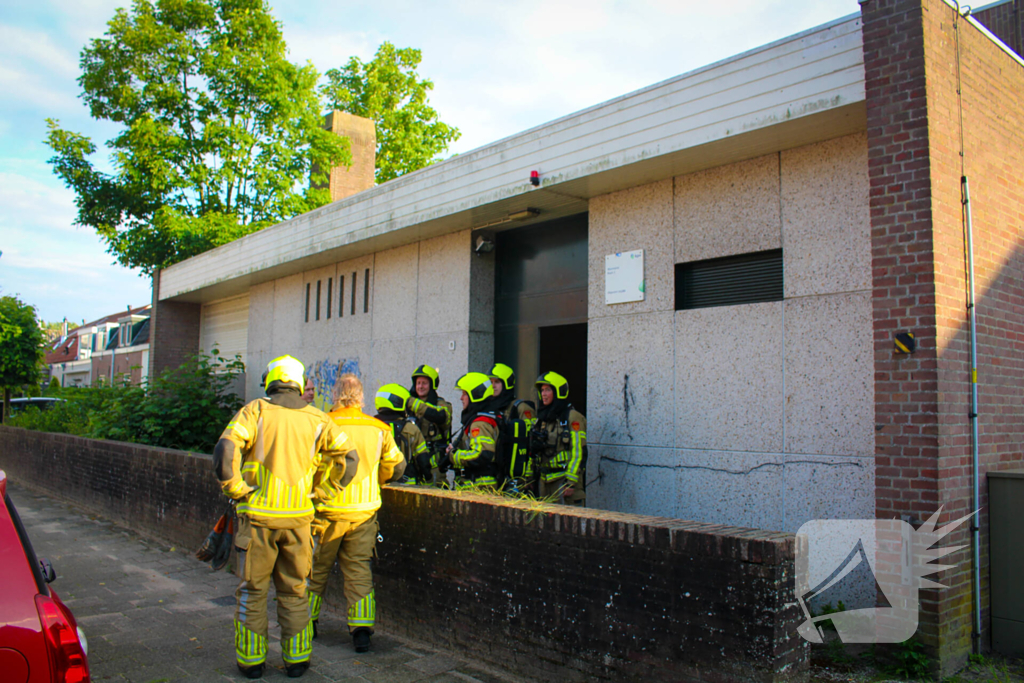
829,375
827,487
728,210
639,479
259,346
392,360
444,284
638,218
729,487
289,316
729,378
396,278
826,224
630,392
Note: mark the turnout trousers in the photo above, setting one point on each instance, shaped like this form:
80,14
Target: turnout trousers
284,556
353,546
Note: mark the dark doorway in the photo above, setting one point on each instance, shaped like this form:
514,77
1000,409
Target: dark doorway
560,350
540,316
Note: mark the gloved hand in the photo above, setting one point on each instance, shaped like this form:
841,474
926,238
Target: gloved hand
318,526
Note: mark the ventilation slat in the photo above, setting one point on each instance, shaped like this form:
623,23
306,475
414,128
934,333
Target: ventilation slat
729,281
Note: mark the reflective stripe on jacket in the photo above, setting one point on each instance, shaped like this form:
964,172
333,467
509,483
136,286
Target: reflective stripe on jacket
380,460
277,453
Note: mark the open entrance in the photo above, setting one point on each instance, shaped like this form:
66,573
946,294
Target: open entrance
560,350
540,316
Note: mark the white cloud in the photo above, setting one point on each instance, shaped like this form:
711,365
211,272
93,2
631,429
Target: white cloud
38,48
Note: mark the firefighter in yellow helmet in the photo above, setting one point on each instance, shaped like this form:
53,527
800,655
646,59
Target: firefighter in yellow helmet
559,442
433,414
473,456
519,416
347,518
391,401
267,459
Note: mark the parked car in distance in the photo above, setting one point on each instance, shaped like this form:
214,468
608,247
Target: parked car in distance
41,402
40,641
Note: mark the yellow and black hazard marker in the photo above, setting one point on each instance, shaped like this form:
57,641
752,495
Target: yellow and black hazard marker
905,342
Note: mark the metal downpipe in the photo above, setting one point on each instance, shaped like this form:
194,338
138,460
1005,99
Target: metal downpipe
973,415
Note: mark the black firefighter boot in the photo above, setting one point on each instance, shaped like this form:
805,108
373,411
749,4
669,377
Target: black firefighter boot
297,669
251,671
361,639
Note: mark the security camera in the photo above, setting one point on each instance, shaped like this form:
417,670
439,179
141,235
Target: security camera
483,245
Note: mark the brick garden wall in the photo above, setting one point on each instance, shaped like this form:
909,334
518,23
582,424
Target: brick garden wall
551,593
166,494
923,448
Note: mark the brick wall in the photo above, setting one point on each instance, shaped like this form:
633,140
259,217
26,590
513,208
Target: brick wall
347,181
923,445
993,142
549,593
125,363
167,494
1006,20
173,331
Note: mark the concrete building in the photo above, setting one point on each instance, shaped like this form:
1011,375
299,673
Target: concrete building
793,207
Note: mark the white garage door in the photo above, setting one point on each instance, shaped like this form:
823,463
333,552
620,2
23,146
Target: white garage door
225,323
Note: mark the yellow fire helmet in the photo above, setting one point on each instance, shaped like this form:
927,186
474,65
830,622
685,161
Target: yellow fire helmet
392,397
557,382
287,370
428,372
505,374
477,386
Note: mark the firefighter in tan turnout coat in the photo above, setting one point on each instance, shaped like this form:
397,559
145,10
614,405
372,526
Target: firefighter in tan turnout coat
347,518
266,459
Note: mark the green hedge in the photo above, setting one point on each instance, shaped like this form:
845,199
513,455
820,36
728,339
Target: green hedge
186,408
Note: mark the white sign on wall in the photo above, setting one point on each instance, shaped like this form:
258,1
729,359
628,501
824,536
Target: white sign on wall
624,277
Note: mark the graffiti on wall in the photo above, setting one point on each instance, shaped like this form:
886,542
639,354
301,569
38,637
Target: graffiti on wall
325,374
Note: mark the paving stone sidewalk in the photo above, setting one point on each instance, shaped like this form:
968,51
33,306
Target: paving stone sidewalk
154,614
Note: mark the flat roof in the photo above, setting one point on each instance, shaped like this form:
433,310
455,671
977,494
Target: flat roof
802,89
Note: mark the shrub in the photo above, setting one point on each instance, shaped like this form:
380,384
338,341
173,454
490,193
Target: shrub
184,408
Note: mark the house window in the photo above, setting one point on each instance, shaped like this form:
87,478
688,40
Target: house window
307,301
353,293
744,279
341,296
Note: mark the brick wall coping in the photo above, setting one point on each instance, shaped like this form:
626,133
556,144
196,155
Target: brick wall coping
758,546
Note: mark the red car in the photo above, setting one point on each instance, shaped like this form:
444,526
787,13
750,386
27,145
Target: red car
40,641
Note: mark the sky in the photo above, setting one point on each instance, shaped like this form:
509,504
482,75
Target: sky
498,68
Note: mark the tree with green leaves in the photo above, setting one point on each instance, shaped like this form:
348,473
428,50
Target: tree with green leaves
219,134
388,90
21,347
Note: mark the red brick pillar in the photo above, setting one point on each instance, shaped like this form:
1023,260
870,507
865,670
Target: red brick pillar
903,271
173,331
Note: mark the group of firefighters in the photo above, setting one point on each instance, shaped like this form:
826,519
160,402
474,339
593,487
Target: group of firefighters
307,483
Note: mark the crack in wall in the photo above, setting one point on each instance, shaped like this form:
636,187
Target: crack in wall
725,470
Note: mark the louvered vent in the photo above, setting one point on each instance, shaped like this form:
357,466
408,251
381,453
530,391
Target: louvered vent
744,279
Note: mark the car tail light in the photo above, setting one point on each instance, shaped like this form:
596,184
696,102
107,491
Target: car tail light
67,658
